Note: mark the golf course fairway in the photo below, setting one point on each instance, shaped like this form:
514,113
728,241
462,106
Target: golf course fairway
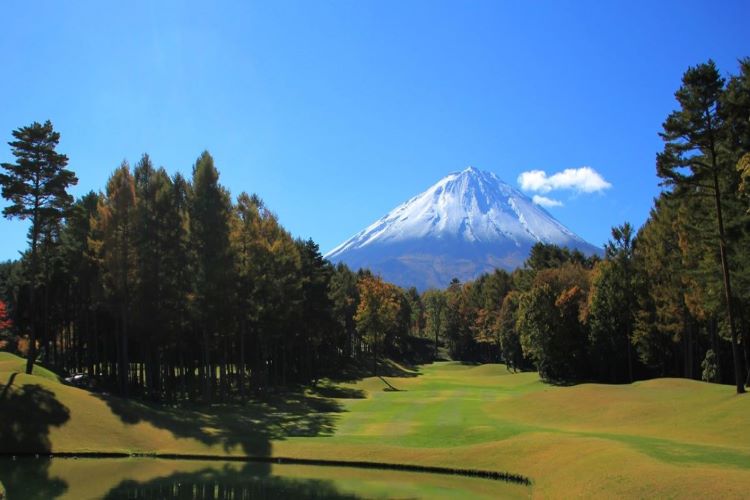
657,438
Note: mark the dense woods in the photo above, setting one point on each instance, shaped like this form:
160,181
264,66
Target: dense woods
169,288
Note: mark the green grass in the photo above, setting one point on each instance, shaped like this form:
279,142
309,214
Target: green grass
659,438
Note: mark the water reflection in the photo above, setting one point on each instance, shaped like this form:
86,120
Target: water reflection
28,478
251,481
144,478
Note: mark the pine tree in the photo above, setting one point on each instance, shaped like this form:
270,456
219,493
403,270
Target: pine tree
36,185
611,305
344,297
209,230
693,162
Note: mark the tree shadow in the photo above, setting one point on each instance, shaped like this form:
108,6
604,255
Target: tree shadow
251,481
389,387
330,390
302,412
28,478
354,372
7,386
252,426
26,415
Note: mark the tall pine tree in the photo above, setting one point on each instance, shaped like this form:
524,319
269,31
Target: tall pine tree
36,186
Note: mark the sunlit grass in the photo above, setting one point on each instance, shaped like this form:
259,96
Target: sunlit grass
10,363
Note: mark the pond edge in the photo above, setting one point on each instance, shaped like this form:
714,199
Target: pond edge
478,473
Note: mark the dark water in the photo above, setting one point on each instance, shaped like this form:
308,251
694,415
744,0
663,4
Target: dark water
147,478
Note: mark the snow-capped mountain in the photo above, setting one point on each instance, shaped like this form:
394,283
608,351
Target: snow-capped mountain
468,223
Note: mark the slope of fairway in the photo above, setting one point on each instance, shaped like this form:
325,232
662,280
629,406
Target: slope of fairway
665,438
10,363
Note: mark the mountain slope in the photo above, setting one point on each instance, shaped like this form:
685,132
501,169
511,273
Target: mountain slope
468,223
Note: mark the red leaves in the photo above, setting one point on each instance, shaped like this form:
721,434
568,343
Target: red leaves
5,322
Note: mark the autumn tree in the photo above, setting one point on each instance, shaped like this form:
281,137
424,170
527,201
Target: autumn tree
434,307
549,322
113,242
377,312
5,321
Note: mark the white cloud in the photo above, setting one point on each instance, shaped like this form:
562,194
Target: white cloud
546,202
582,180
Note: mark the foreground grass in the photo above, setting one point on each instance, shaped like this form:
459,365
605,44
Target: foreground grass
665,437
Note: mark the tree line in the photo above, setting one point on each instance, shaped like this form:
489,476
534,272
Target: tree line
672,299
167,287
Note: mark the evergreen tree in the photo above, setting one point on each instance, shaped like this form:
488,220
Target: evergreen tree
694,162
344,296
611,305
36,186
209,230
661,314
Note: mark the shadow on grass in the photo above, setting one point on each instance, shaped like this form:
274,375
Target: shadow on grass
388,386
252,426
330,390
385,368
251,481
26,415
303,412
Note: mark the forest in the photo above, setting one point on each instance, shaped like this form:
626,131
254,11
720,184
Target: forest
169,288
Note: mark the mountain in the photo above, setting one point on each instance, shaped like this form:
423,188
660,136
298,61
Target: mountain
466,224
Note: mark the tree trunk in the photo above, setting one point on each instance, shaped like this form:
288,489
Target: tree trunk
32,292
241,367
124,361
739,376
207,368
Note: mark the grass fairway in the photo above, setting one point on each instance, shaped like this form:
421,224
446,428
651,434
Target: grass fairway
664,438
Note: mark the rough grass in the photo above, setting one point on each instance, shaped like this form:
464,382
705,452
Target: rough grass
661,438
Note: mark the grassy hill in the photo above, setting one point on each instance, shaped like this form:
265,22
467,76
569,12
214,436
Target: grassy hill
665,437
10,363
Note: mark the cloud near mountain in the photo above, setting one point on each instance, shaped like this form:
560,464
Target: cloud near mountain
546,202
582,180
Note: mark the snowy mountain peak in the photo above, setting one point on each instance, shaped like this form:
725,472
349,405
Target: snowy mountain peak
465,216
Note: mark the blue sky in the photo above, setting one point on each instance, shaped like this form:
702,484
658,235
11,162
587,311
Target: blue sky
335,112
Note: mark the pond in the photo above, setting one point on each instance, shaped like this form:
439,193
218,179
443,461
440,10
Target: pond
152,478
